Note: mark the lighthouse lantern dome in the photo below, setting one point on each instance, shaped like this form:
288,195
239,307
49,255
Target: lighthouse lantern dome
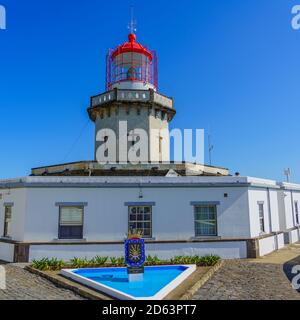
131,66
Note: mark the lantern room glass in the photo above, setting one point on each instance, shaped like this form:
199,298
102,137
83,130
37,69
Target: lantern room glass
131,67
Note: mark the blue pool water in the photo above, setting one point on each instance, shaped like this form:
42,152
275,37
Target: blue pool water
155,278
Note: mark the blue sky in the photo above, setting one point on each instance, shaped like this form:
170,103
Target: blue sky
231,66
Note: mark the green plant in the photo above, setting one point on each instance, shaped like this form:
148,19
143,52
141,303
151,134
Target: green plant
113,261
80,263
120,261
149,259
47,264
208,260
56,264
177,260
42,264
153,260
100,261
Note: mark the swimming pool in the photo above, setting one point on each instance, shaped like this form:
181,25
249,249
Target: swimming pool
158,281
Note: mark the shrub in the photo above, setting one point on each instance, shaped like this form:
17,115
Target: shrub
113,261
42,264
47,264
100,261
209,260
80,263
55,264
120,261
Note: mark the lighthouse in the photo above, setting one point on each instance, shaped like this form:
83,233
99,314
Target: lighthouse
132,102
131,107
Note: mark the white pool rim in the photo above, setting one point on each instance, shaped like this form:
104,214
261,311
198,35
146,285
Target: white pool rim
162,293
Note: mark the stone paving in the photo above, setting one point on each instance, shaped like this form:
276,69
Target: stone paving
22,285
247,280
257,279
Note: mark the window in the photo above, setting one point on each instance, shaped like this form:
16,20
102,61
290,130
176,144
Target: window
70,223
7,221
205,220
261,217
140,218
297,212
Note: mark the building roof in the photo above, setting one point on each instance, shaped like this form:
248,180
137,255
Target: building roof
138,181
93,168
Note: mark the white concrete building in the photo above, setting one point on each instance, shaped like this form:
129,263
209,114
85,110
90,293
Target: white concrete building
64,217
86,209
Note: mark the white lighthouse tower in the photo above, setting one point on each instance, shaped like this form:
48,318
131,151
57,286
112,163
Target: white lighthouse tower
132,97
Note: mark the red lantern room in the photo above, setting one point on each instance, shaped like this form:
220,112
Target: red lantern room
131,66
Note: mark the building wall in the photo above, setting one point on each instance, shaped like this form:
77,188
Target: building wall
160,126
17,197
271,213
296,197
36,214
282,209
226,250
7,252
106,216
287,211
146,120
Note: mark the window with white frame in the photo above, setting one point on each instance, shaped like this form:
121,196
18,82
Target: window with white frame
140,219
205,220
7,221
70,222
297,212
261,216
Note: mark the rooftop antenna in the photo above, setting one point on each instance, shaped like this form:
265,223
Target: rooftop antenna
210,147
132,24
287,173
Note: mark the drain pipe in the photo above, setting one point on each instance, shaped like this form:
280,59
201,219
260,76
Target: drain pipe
270,219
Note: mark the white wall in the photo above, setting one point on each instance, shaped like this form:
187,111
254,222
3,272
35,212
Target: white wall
287,211
281,207
280,238
296,197
271,212
106,216
18,198
270,244
227,250
7,252
289,218
255,196
294,236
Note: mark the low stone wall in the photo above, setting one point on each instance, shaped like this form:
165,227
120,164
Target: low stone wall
292,235
270,244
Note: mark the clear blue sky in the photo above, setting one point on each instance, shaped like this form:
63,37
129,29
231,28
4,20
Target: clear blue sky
230,65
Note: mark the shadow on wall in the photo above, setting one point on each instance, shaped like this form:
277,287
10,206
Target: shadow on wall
294,277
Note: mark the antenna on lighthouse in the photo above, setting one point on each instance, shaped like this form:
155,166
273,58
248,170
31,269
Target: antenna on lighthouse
210,147
132,24
287,173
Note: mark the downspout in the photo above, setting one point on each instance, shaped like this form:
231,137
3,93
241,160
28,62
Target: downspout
270,218
293,211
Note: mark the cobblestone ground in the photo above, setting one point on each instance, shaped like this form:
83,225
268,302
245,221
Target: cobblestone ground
22,285
244,280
